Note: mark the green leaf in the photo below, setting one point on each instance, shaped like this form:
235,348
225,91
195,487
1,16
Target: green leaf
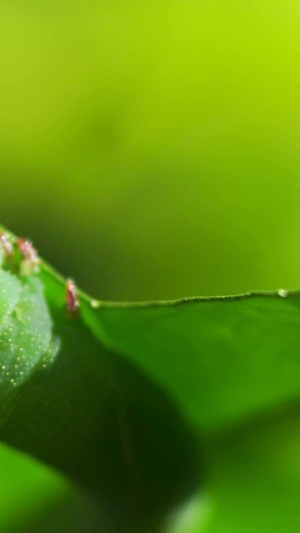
139,404
220,359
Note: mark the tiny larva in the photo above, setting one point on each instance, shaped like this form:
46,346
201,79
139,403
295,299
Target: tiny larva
71,298
6,245
30,260
28,251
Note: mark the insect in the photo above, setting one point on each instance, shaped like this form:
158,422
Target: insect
6,245
71,298
30,260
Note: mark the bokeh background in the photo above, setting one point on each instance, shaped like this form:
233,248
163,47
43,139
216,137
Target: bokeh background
151,150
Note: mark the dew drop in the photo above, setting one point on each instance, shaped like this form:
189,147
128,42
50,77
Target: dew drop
283,293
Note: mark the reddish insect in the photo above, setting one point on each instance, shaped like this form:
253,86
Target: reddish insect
30,258
27,250
72,302
6,245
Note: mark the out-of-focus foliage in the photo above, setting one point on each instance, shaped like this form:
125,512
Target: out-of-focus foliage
164,136
151,149
28,492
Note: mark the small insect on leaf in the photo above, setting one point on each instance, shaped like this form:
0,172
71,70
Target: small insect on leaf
30,261
72,302
6,245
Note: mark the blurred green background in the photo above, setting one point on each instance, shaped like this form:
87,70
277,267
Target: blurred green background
151,149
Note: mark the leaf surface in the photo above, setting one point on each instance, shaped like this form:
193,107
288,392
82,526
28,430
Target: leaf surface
219,359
